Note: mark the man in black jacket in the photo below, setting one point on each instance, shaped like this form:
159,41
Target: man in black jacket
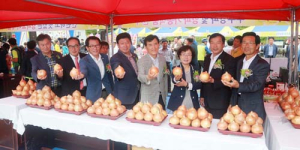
215,96
251,74
68,62
26,64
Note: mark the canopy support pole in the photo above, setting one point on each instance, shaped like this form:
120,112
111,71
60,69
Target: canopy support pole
291,47
296,78
112,35
106,33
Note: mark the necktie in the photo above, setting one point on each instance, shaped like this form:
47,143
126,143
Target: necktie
78,67
133,64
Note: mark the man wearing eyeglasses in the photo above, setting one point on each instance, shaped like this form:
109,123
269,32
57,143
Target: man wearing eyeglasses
248,87
69,62
95,68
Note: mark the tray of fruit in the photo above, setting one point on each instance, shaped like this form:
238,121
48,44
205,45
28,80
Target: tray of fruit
43,99
191,119
21,96
146,113
72,104
40,107
110,108
227,132
236,122
290,106
24,89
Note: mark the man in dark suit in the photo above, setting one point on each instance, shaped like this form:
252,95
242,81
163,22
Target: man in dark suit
215,96
252,72
126,86
95,68
69,62
270,50
46,61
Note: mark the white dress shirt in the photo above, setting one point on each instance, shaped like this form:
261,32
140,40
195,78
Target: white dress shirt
74,60
212,61
246,64
100,64
270,50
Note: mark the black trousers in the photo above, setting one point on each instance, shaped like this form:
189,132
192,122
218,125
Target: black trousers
169,79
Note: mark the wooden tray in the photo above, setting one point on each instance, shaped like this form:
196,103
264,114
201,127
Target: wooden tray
189,127
227,132
70,112
40,107
20,96
146,122
107,117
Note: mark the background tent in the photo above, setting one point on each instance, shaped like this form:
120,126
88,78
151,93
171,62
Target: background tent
129,11
171,31
141,32
204,31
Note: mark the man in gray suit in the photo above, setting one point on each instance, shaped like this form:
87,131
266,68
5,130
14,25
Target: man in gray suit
153,85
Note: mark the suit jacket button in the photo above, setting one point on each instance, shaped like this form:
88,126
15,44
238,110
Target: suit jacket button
193,96
181,96
181,88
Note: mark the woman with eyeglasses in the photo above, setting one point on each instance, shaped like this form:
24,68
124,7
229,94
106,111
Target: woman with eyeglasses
186,84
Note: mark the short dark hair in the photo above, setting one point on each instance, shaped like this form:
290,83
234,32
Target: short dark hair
257,38
5,46
164,40
230,41
150,38
31,44
123,35
238,37
42,37
189,39
184,49
87,41
216,35
271,38
12,41
104,43
72,38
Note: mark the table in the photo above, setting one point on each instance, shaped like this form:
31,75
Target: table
276,63
280,134
9,110
158,137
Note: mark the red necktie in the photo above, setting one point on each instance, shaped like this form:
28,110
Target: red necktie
78,67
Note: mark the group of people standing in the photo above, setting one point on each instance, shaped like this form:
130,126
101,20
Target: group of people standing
100,76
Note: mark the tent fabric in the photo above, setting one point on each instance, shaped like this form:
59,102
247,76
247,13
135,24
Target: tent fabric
129,11
270,28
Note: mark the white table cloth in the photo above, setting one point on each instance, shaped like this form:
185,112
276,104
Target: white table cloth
280,134
10,107
157,137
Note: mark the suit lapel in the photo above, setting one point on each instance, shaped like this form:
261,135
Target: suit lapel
207,63
126,60
221,58
43,62
239,67
254,62
93,64
70,61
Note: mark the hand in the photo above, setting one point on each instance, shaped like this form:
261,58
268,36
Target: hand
202,102
182,83
232,84
80,76
178,77
210,80
41,78
120,76
151,76
59,73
